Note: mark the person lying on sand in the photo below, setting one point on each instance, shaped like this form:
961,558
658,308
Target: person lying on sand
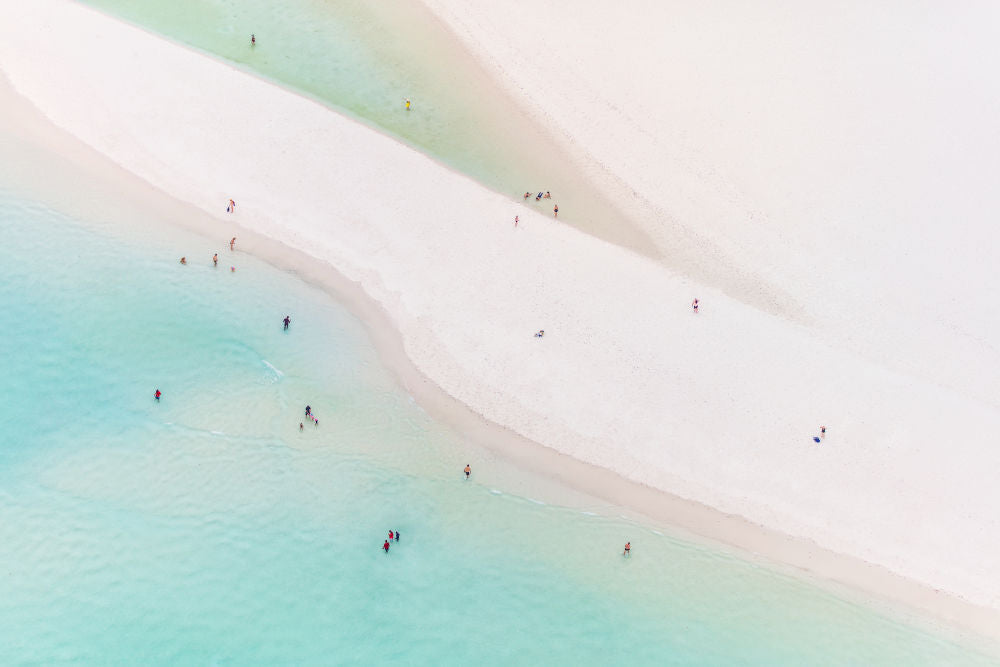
541,332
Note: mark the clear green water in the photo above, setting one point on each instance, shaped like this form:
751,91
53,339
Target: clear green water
207,529
363,59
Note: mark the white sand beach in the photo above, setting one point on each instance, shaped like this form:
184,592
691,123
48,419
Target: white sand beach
842,262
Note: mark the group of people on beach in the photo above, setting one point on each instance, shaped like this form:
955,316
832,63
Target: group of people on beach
540,196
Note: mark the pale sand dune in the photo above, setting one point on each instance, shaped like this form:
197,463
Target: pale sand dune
718,407
832,162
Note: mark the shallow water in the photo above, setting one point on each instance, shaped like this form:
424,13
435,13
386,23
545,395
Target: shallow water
208,529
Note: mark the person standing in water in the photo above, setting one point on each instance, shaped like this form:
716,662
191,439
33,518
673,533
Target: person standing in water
253,39
407,103
215,259
157,395
516,219
628,549
184,260
309,411
555,210
397,536
288,320
232,243
468,470
385,546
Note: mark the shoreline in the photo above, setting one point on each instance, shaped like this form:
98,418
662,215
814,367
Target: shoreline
859,581
392,348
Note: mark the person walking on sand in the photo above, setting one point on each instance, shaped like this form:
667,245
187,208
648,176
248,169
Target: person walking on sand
287,320
232,243
555,210
822,431
215,259
232,207
628,549
516,218
468,470
694,305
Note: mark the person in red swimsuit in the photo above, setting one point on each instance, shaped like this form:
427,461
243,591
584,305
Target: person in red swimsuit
386,546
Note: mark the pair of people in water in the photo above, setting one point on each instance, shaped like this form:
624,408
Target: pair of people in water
311,416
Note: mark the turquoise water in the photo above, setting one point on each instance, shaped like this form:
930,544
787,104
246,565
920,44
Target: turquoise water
363,59
207,529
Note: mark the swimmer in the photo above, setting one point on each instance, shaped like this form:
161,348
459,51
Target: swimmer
385,546
184,260
538,197
407,103
694,305
253,39
526,195
468,470
157,395
555,210
215,259
232,243
628,549
288,320
548,195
